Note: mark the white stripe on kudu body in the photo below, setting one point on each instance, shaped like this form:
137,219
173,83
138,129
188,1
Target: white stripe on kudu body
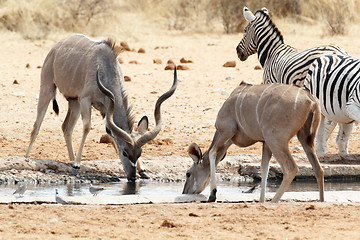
238,123
88,74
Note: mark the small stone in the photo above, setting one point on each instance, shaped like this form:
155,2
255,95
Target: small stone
133,62
105,139
120,60
127,79
141,50
229,64
15,82
157,61
229,78
39,66
183,60
170,62
182,67
257,67
28,65
170,67
125,46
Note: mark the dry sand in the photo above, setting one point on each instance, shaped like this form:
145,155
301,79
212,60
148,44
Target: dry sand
188,116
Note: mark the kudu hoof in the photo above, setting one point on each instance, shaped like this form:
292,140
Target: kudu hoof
75,170
144,175
212,197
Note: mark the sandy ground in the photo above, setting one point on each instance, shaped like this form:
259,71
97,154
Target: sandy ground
188,116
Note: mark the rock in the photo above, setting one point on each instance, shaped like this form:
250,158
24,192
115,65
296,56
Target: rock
257,67
229,78
230,64
39,66
170,62
133,62
127,79
141,50
157,61
18,94
125,46
15,82
170,67
183,60
105,139
27,65
182,67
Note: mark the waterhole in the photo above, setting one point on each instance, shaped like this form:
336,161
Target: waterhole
150,187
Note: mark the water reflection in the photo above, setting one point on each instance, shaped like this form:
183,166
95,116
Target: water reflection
148,187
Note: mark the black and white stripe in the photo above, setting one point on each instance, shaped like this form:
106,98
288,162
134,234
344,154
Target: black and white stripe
281,63
335,81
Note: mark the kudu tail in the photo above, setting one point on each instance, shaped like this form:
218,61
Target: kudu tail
55,106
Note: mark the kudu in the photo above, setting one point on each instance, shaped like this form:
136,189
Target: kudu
88,74
267,113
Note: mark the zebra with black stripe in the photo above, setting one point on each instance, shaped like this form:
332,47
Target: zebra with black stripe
281,62
335,81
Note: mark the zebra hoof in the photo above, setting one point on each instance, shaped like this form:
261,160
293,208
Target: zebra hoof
75,170
144,175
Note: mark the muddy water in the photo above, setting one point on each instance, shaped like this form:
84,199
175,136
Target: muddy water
145,187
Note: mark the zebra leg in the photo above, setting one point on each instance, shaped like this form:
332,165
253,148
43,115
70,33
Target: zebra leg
325,129
343,136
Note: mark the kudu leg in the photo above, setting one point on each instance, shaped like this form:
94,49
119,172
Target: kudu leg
288,166
85,108
46,94
266,156
342,138
307,142
69,123
216,153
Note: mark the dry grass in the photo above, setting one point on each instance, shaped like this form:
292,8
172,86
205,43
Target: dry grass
35,19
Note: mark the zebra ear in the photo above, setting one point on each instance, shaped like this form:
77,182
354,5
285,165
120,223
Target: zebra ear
248,15
265,11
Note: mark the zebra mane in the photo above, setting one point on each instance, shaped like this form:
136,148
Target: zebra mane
271,24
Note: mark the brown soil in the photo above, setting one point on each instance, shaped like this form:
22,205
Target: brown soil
188,116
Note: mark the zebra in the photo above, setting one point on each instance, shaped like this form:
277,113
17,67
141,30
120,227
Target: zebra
281,62
335,81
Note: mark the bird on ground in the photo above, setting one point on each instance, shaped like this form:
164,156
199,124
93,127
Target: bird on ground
95,190
21,189
58,199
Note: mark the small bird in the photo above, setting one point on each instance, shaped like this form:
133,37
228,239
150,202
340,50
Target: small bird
21,189
251,190
58,199
95,190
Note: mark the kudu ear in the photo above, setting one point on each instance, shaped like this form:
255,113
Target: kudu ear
195,152
248,15
143,125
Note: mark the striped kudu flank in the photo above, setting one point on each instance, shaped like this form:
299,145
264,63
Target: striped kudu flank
257,113
88,73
